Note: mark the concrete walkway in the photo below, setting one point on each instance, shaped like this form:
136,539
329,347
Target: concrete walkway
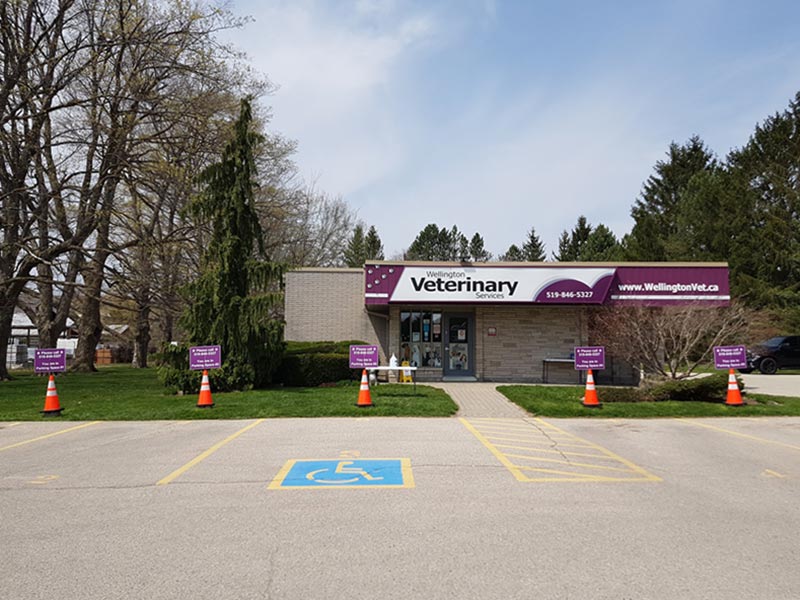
479,399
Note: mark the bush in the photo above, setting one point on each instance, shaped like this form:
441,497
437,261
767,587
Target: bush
712,388
313,369
174,373
322,347
622,394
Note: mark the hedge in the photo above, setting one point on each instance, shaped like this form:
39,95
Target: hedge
712,388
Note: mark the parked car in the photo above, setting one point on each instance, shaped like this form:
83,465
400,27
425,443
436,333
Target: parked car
781,352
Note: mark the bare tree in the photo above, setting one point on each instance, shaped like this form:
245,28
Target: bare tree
670,341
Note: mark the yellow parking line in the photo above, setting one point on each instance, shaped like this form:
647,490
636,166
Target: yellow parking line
497,454
567,462
737,434
177,473
49,435
529,440
624,461
584,454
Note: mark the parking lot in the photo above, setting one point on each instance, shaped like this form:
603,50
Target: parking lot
401,508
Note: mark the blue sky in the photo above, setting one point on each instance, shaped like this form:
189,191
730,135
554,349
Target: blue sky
498,116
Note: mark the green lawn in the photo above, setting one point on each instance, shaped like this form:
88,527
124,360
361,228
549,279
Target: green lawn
126,394
565,401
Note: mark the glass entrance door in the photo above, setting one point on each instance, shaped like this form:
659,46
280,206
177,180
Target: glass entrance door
458,359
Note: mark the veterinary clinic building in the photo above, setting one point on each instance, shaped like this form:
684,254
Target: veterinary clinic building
487,321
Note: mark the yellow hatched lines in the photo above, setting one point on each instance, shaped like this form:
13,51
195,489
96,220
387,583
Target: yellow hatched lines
536,451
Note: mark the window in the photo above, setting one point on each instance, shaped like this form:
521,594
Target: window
421,339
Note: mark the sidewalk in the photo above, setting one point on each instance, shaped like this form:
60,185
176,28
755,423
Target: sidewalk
478,399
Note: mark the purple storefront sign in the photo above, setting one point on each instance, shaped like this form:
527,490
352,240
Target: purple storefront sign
202,358
590,357
50,360
730,357
363,357
554,283
707,285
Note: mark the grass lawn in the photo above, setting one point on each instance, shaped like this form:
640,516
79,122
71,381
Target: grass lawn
125,394
550,401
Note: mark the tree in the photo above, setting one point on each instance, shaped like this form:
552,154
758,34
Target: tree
668,341
234,301
356,253
442,244
655,212
363,248
533,248
588,244
477,250
513,254
372,245
765,174
601,246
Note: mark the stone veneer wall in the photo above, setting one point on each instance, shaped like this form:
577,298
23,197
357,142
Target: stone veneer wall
525,336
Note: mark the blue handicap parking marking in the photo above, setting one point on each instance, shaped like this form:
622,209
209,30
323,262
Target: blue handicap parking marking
390,472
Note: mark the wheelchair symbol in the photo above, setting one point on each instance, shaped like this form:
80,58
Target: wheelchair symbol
342,468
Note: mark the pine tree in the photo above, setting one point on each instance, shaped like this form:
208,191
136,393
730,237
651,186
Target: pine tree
477,249
355,254
513,254
655,213
373,247
234,300
533,249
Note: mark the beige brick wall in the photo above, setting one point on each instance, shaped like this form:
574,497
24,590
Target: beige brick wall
328,304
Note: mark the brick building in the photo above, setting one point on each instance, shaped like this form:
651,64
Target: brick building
486,321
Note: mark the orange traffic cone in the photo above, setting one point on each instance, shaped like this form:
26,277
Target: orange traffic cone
364,399
204,400
734,395
51,404
590,398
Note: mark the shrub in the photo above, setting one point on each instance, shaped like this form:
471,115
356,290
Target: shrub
623,394
312,369
321,347
174,373
712,388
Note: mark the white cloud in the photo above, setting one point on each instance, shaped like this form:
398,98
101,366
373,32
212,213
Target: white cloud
336,75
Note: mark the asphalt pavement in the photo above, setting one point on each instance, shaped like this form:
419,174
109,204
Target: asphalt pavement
364,508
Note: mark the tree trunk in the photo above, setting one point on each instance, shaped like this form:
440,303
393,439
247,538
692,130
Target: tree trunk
142,340
6,318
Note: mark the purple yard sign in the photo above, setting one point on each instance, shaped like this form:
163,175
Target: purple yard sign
50,360
590,357
730,357
363,357
202,358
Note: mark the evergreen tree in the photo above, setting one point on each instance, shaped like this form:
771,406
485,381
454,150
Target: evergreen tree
426,246
564,248
655,212
513,254
533,249
437,244
373,247
235,299
766,175
477,250
601,246
356,252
